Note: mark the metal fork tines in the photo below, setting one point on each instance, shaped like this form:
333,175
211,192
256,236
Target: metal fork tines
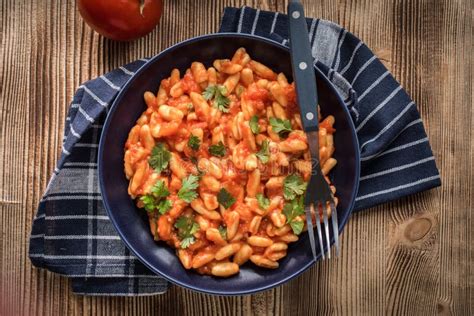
319,200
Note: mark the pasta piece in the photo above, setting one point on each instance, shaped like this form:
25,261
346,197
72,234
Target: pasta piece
261,261
258,241
199,72
243,255
246,77
185,258
262,70
227,251
215,236
201,259
225,269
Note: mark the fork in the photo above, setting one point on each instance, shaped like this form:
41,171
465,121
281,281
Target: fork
318,196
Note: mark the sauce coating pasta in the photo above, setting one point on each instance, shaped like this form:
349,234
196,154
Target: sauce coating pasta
220,163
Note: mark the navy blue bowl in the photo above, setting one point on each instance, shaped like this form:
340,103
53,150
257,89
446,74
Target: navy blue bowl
131,223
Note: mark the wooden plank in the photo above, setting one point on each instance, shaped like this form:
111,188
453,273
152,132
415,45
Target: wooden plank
408,257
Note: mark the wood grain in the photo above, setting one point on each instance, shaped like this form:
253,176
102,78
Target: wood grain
413,256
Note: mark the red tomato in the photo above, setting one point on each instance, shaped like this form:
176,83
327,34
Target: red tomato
121,20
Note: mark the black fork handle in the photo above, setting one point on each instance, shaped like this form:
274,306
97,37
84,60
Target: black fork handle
302,64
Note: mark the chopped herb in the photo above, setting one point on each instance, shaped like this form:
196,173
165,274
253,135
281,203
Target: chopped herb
156,200
254,125
293,209
223,232
221,102
209,92
281,127
159,158
164,206
159,190
187,227
263,202
148,203
297,226
217,150
187,192
187,241
194,160
293,185
194,142
264,153
225,198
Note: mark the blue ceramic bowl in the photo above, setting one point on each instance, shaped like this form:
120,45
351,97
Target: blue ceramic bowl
131,223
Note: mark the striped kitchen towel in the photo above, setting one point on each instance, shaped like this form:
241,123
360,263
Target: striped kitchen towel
72,234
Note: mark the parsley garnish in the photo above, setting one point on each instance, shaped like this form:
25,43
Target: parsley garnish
293,185
264,153
194,142
281,127
225,198
263,202
187,192
297,226
254,125
159,190
148,202
217,150
223,232
187,227
221,102
292,210
160,157
156,200
164,206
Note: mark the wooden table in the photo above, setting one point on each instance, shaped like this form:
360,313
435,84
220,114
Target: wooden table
413,256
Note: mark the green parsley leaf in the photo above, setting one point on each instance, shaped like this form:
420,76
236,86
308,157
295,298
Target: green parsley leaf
164,206
217,150
281,127
159,190
194,160
225,198
263,202
264,153
297,226
223,232
187,192
187,241
209,92
293,185
194,142
156,198
293,209
221,102
159,157
254,125
148,202
187,227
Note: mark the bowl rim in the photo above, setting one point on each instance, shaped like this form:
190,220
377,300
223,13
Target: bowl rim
341,223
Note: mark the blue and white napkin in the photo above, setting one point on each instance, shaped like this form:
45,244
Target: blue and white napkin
72,234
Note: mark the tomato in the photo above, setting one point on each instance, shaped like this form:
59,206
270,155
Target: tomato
121,20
